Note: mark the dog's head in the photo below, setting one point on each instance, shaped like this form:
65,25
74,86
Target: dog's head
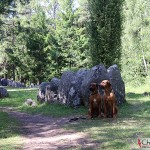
93,87
105,84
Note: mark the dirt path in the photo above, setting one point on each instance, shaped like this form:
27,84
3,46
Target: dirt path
46,133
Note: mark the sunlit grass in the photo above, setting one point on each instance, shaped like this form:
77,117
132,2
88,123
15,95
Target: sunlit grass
17,98
11,143
138,89
10,138
9,133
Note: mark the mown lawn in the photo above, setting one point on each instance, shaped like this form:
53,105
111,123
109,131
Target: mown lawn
133,120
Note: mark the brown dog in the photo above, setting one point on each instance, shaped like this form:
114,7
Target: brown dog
95,101
110,108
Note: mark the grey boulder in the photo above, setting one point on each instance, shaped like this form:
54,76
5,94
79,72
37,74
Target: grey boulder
4,82
41,91
74,95
52,90
95,74
64,87
117,83
3,92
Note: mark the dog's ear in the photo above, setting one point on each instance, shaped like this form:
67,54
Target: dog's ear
108,83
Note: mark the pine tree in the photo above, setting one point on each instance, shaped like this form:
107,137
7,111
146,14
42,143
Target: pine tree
105,31
8,33
41,41
33,35
70,36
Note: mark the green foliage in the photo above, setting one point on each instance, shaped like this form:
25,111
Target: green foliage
135,42
71,38
41,41
5,5
105,31
9,40
38,42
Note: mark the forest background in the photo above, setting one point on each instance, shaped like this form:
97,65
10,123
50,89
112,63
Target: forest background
40,40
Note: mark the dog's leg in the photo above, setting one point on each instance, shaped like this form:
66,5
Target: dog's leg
116,111
99,110
113,111
91,109
105,108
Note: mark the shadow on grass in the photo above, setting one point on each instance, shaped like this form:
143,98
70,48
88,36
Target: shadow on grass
8,126
120,133
55,110
136,96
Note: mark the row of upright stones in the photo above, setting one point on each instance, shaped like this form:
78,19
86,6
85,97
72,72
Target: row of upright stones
12,83
7,82
73,87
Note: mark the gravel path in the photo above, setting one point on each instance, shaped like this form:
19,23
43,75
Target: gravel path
46,133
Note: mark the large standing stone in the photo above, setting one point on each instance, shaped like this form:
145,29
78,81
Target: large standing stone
95,74
4,82
3,92
64,87
55,84
117,83
75,89
52,90
10,82
41,92
18,84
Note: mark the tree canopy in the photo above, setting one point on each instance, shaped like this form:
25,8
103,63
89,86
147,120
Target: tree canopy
40,40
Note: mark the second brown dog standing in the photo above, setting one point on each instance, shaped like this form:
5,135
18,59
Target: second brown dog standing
110,108
95,101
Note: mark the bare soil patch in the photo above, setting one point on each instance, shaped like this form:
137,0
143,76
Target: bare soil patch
47,133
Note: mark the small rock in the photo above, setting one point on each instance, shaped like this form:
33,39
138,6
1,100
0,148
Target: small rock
30,102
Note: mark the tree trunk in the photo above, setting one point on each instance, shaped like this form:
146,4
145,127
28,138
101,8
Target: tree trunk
144,62
13,69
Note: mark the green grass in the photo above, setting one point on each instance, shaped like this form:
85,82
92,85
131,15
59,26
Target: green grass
139,89
9,133
133,120
55,110
17,99
9,137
